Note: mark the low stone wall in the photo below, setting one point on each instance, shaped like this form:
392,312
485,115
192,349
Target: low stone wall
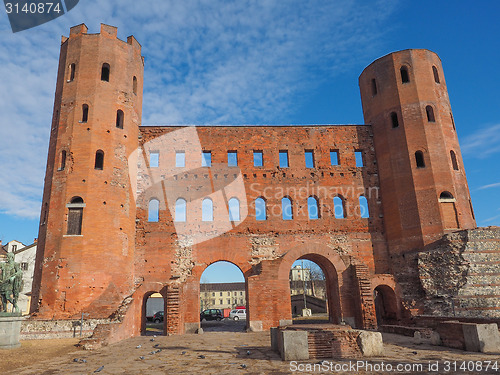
434,321
483,338
33,329
406,330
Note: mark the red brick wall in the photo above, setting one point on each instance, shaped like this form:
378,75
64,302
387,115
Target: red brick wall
260,248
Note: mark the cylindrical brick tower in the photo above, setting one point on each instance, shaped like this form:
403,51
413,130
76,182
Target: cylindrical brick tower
85,264
422,178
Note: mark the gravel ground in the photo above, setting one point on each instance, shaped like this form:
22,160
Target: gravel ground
215,353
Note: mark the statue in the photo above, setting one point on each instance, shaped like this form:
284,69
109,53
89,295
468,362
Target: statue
11,280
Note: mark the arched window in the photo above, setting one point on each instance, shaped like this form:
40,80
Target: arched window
405,77
419,159
234,209
374,87
338,207
312,208
72,69
180,210
154,210
446,196
105,72
454,162
207,210
394,120
119,119
63,160
436,74
430,114
75,216
134,85
260,209
286,208
76,200
85,113
99,160
363,207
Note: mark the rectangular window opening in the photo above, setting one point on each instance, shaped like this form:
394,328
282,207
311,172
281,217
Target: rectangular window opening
154,159
283,156
309,154
359,158
334,157
180,159
258,159
206,159
232,159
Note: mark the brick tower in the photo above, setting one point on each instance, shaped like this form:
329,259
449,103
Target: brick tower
87,227
422,178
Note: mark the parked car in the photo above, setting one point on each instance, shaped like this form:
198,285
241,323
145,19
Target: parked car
158,317
238,314
211,314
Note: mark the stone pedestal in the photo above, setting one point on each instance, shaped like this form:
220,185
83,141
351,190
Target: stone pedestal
294,345
483,338
10,328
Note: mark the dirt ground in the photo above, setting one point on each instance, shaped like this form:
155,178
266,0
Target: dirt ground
223,353
35,351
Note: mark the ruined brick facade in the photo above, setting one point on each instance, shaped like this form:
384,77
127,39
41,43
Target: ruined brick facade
109,264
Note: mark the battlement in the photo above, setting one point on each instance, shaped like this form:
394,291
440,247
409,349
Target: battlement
107,31
391,55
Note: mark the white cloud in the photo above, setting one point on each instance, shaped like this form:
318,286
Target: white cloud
496,184
489,220
482,143
225,62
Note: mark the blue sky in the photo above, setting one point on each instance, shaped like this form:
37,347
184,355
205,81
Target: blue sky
254,62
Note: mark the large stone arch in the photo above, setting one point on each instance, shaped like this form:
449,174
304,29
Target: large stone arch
302,249
191,288
332,266
387,299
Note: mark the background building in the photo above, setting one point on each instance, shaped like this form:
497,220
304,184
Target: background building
222,295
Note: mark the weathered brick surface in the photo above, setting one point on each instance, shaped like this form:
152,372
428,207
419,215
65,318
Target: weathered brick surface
460,274
121,258
451,334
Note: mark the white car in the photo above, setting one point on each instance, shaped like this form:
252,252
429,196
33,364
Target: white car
238,314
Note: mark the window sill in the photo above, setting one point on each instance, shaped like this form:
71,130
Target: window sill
73,235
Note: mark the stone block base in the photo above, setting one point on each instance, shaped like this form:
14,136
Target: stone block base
370,343
10,328
294,345
472,337
483,338
322,341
